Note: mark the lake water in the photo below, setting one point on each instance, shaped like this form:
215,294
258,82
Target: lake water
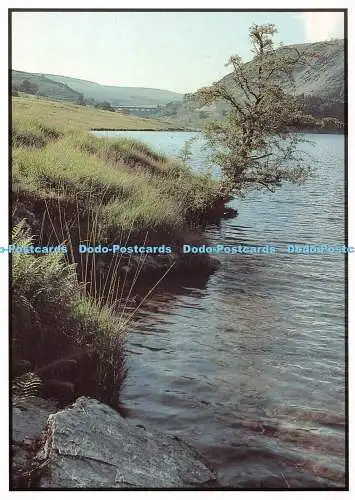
248,366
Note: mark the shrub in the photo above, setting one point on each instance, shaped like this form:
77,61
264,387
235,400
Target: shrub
28,87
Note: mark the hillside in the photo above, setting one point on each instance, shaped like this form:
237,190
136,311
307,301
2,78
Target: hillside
319,85
70,116
130,96
45,86
71,89
324,75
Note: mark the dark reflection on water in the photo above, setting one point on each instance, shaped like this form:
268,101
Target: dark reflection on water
249,366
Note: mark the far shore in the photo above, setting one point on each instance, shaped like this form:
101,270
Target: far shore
104,129
306,131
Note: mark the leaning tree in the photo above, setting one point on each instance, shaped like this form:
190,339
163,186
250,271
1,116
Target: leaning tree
255,144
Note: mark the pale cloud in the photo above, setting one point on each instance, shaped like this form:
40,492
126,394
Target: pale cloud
322,25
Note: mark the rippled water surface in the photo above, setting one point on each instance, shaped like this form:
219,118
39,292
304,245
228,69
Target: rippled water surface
248,365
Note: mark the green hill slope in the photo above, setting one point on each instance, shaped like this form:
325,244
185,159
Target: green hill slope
70,89
129,96
46,86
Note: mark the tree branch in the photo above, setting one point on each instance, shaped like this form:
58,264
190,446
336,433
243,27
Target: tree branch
228,97
260,157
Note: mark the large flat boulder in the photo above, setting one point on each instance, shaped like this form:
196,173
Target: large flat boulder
89,445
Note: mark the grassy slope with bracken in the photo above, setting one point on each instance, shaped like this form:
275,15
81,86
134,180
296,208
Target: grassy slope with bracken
70,187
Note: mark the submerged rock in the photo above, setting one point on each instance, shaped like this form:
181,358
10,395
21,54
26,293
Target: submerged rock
89,445
156,265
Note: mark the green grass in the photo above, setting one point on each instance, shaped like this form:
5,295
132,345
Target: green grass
29,133
71,116
131,188
121,196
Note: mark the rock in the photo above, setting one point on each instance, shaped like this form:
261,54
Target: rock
89,445
199,264
29,418
63,379
230,213
152,263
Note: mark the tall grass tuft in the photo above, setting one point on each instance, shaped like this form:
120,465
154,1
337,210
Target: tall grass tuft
52,311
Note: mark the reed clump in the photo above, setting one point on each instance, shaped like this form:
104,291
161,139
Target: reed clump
53,315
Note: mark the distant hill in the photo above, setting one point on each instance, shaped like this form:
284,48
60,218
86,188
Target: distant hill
70,89
45,86
129,96
319,85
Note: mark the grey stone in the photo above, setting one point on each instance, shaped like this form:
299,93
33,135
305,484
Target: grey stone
29,418
90,445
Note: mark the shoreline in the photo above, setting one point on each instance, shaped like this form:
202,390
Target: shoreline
70,336
141,130
181,129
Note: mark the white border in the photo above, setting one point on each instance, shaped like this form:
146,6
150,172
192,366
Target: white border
136,4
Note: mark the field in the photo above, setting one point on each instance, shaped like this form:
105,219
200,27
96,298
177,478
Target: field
72,116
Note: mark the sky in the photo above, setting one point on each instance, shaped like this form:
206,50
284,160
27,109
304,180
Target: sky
178,51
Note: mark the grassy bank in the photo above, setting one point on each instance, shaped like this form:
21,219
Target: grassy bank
66,116
70,186
129,189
